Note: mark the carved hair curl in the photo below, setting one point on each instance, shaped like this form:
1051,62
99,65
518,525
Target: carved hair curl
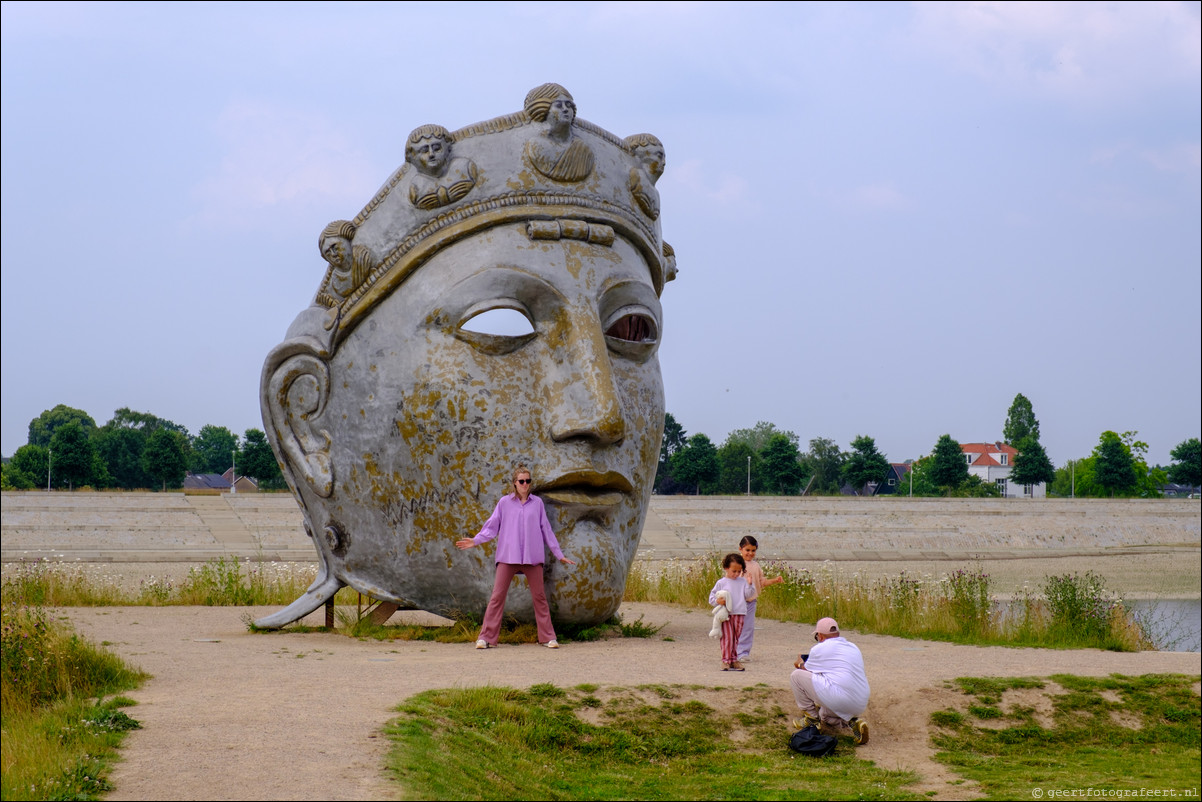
643,141
339,228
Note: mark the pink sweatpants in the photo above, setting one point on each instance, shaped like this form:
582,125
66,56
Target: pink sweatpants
496,603
732,629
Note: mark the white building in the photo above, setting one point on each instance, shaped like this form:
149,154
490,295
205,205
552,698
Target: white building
992,462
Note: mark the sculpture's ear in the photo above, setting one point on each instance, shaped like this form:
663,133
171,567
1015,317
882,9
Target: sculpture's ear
293,392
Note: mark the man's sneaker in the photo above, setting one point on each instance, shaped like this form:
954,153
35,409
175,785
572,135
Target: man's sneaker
481,644
806,720
859,731
552,644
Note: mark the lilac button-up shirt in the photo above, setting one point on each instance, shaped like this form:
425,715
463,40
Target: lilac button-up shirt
522,531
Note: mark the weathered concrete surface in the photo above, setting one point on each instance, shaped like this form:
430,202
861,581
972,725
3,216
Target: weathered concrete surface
841,528
151,527
172,527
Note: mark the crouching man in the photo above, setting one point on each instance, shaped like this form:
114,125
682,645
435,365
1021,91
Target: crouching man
830,685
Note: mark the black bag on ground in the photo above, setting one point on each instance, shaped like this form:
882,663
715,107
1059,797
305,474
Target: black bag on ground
809,741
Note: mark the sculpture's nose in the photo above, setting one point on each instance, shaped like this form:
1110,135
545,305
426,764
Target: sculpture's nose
584,400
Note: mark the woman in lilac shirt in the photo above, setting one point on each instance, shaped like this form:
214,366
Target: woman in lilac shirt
519,523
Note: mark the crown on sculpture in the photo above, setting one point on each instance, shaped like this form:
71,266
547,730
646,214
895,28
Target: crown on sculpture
566,177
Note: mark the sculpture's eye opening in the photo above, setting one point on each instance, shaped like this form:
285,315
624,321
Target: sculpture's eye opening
634,328
633,334
497,330
499,322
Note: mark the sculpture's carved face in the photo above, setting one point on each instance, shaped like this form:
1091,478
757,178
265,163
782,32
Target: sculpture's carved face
561,114
652,157
431,154
432,403
337,251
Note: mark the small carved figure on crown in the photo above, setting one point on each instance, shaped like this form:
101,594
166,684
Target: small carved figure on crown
669,262
349,264
441,178
557,153
650,154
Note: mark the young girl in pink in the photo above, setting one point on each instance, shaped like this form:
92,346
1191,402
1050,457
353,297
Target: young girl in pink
748,547
739,591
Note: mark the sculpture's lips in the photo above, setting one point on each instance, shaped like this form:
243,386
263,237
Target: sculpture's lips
589,488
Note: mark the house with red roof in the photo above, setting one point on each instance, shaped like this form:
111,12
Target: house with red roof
993,462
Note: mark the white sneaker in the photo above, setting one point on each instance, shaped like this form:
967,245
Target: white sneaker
481,644
552,644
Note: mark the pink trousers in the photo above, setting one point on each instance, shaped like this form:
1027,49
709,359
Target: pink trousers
496,603
732,628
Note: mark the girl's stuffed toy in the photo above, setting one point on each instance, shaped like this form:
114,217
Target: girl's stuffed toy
721,612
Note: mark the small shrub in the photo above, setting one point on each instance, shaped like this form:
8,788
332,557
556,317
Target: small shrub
1081,604
968,597
638,629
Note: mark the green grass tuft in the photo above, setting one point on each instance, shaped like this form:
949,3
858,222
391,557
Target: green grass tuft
653,742
1072,612
1113,733
60,735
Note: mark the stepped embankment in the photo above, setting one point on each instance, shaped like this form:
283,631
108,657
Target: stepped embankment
175,527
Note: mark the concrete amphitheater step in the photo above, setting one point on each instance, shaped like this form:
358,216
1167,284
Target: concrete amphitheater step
173,527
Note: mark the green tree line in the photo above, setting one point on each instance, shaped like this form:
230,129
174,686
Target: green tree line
766,460
134,450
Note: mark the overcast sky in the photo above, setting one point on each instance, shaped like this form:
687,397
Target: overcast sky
889,218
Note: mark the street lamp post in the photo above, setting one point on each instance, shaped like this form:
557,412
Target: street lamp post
233,471
749,474
1072,472
49,459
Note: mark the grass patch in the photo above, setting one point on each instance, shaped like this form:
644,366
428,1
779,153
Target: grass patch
587,742
1070,612
219,582
1116,733
228,582
60,733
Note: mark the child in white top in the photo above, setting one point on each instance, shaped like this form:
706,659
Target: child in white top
748,547
741,591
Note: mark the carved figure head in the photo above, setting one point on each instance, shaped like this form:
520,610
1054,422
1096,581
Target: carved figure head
552,104
650,152
335,244
428,148
398,425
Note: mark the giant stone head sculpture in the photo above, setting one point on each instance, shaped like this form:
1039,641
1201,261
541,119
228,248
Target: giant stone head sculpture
401,399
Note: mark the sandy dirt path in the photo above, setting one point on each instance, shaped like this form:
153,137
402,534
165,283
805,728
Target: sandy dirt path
234,715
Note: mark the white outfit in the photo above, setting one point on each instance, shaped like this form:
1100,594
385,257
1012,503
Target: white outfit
837,677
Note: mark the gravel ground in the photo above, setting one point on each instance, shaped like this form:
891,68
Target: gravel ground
235,715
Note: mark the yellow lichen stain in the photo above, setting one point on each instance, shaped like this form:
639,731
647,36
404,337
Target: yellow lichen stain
522,182
575,254
406,428
370,466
